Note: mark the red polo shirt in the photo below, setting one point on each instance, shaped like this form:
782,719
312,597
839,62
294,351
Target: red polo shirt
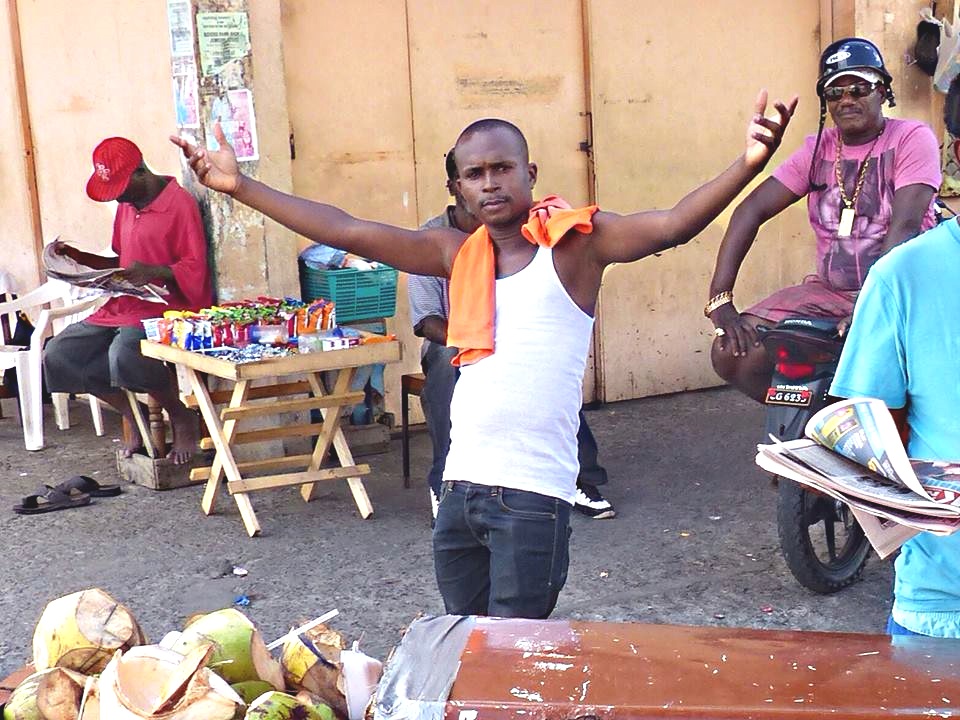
166,232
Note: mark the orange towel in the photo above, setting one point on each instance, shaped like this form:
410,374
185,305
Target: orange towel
473,277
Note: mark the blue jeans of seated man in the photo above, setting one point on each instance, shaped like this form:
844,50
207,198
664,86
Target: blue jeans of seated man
499,551
441,378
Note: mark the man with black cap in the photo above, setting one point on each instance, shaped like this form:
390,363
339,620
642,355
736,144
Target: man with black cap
870,184
158,238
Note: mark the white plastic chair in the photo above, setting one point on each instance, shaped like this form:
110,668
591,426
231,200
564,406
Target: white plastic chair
54,307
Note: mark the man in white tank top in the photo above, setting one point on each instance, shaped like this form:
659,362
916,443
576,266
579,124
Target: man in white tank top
501,537
429,310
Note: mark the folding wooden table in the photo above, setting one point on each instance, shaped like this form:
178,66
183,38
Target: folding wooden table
286,377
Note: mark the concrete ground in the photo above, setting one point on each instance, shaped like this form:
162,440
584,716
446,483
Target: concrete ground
695,541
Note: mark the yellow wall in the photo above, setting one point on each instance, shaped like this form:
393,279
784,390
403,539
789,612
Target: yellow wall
375,92
93,69
17,203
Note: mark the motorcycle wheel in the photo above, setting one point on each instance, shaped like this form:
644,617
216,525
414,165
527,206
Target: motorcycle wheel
824,546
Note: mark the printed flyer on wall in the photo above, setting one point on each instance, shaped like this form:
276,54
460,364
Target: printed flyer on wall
234,111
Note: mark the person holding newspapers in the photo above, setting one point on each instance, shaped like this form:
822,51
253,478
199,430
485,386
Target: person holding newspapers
904,348
158,239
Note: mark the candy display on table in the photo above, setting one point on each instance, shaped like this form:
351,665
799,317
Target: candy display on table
251,330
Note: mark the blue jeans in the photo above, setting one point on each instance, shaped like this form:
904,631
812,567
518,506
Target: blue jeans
499,551
441,378
591,472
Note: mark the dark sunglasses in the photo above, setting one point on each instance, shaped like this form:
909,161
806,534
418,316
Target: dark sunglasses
857,90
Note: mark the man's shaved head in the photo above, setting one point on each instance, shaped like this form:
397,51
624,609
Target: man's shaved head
487,124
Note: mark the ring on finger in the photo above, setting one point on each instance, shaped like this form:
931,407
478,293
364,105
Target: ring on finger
719,332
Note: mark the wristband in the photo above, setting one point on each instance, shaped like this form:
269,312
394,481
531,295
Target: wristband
716,301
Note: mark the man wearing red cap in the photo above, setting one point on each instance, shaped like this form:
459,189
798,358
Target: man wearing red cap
158,238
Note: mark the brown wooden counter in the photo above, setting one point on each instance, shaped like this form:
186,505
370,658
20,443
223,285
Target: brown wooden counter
539,670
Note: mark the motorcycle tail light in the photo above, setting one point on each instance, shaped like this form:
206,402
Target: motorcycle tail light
795,370
801,354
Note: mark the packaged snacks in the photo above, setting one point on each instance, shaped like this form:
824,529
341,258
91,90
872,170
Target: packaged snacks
287,324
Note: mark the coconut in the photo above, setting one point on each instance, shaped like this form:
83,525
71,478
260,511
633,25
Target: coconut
280,706
239,653
90,706
52,694
250,690
311,662
82,630
151,682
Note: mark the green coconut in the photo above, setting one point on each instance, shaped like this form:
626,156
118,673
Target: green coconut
250,690
52,694
239,652
81,631
280,706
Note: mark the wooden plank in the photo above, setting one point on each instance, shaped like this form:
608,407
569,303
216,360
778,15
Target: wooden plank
387,351
372,354
300,478
224,455
196,361
252,466
238,397
359,492
141,422
284,431
249,411
219,397
26,138
331,423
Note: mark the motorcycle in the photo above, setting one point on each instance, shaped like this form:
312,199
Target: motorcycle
822,543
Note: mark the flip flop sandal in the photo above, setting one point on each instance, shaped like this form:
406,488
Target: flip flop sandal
87,486
48,500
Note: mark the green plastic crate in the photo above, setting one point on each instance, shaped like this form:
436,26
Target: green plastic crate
357,294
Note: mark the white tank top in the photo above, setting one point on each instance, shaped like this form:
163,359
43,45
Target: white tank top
514,414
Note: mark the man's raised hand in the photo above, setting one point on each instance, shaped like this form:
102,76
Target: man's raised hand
217,169
764,134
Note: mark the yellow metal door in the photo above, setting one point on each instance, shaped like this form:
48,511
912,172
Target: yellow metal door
673,86
515,61
379,91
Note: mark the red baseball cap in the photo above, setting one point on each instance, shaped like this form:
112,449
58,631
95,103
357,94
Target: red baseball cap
114,161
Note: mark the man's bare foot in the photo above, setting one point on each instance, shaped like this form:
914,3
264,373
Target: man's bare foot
185,436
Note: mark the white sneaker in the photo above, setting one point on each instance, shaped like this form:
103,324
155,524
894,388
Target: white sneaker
590,502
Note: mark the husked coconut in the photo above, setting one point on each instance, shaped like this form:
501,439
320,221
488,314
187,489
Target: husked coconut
311,662
52,694
90,705
151,682
239,652
81,631
280,706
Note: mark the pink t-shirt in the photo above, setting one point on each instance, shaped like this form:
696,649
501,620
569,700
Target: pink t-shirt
906,153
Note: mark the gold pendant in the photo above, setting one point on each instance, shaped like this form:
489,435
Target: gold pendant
847,216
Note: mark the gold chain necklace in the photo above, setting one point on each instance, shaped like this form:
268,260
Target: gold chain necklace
848,211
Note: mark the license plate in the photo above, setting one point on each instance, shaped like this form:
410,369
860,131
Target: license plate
795,397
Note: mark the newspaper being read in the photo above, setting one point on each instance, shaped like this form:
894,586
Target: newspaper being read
852,452
62,267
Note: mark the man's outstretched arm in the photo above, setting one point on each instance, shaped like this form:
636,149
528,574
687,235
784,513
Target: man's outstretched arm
423,252
625,238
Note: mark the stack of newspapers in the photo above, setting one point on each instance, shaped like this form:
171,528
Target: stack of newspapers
61,267
852,452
